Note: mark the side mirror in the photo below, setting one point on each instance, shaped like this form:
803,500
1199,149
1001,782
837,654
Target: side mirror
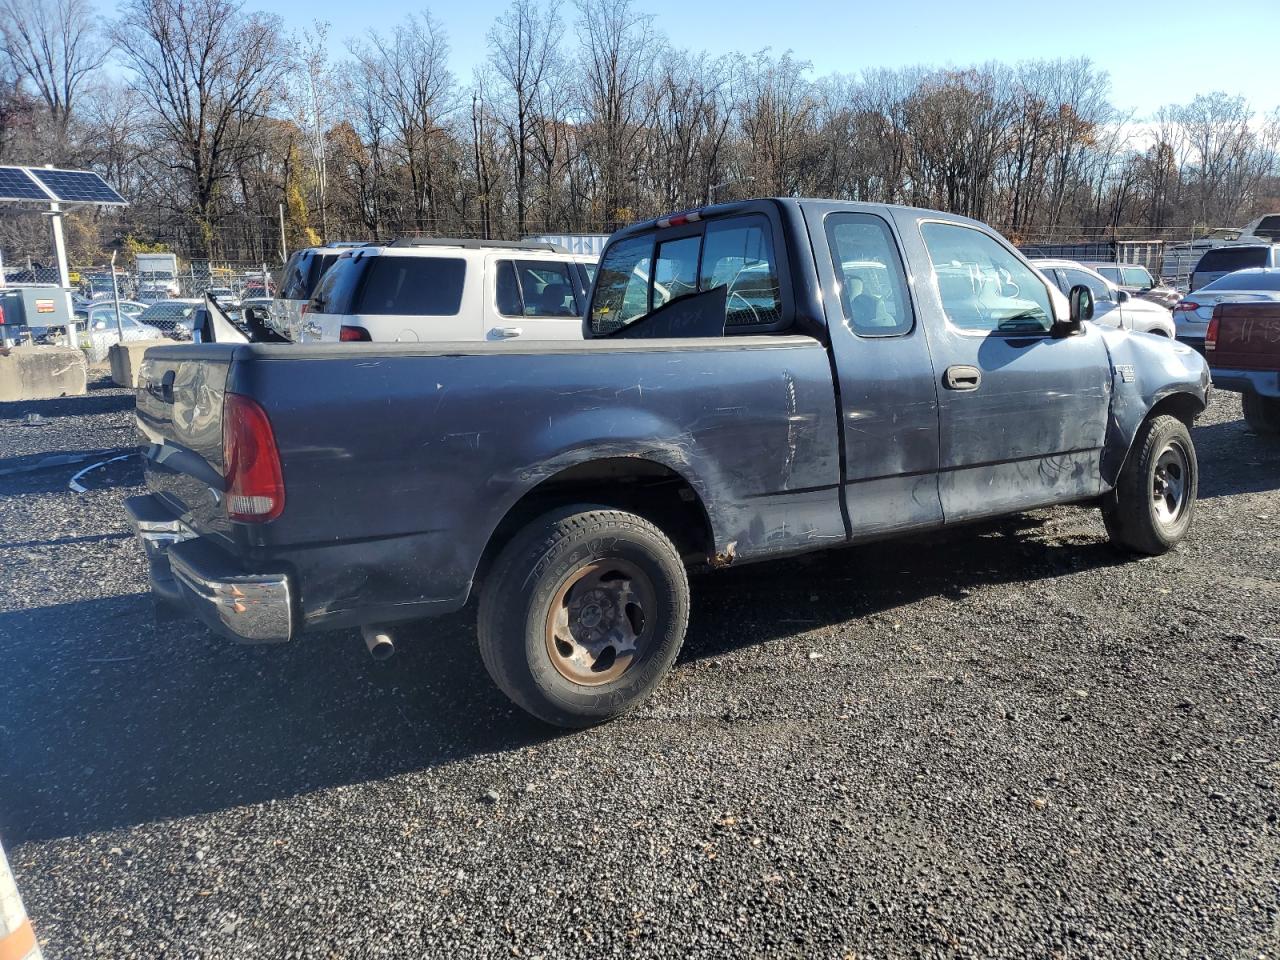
1122,296
1081,302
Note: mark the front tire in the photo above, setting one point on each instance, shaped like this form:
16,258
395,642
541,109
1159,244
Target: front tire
1154,500
583,614
1262,414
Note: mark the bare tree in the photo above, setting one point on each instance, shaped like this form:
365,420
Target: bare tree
524,54
619,47
207,72
56,47
408,73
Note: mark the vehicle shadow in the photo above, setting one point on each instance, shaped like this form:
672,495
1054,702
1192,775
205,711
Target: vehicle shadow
775,600
111,720
1233,459
96,401
56,478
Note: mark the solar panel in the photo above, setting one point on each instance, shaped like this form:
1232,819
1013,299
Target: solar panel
76,186
16,185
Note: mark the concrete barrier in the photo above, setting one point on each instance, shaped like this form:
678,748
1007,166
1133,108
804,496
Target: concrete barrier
43,373
126,360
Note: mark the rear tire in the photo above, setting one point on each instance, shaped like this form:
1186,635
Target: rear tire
583,614
1154,500
1262,414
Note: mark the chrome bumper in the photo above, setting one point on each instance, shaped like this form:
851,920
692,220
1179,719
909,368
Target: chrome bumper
190,573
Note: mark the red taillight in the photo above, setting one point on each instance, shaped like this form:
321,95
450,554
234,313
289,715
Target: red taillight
305,307
1186,306
255,484
1211,336
354,335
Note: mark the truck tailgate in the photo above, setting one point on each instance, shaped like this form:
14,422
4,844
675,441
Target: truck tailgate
179,411
1247,337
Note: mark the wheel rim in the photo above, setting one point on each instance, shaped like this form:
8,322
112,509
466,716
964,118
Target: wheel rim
1169,484
601,621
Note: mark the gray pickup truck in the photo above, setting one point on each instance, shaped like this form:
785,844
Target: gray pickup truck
756,380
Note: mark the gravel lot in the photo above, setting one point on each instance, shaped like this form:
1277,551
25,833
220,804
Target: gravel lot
1004,741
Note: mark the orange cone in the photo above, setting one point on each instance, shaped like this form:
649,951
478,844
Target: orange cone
17,939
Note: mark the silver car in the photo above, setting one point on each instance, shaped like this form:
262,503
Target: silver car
1112,306
1192,315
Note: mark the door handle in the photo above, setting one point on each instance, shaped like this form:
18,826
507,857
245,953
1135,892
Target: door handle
506,333
962,377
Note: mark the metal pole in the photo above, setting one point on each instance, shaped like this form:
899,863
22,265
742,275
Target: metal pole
115,296
284,249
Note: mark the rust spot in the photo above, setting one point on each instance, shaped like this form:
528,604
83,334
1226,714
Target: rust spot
727,557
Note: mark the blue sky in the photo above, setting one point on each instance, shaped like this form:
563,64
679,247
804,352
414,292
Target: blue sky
1149,48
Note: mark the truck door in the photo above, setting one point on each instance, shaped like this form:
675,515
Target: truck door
887,387
1022,414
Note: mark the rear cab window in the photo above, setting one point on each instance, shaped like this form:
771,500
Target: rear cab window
645,273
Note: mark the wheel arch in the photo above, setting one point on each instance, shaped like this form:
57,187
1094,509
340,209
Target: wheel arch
644,486
1180,404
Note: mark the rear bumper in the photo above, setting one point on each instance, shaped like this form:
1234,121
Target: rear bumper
192,574
1264,382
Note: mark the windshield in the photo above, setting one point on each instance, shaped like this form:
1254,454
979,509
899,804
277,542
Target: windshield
1247,280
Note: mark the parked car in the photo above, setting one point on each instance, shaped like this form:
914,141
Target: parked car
1232,257
746,411
172,317
301,277
1136,280
1112,306
102,333
107,311
1192,315
1243,347
440,290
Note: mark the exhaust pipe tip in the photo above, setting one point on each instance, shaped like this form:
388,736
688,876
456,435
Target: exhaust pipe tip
379,642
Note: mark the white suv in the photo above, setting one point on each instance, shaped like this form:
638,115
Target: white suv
444,290
1112,307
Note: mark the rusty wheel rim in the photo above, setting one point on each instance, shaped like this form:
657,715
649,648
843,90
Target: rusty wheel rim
601,621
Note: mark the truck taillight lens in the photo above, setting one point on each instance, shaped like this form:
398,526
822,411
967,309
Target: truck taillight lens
354,335
1211,336
255,484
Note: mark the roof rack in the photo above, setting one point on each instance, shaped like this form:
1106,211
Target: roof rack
478,244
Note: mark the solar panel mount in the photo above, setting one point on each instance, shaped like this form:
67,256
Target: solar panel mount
26,184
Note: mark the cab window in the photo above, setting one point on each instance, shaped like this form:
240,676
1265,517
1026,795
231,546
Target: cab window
873,285
982,285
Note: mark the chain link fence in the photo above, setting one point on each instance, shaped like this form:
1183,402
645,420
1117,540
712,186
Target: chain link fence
154,304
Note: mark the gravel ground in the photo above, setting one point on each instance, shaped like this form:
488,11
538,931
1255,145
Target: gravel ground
1003,741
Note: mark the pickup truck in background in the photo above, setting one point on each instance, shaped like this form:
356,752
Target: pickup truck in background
1243,347
755,380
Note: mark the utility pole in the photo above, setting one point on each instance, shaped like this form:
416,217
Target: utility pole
284,249
115,295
